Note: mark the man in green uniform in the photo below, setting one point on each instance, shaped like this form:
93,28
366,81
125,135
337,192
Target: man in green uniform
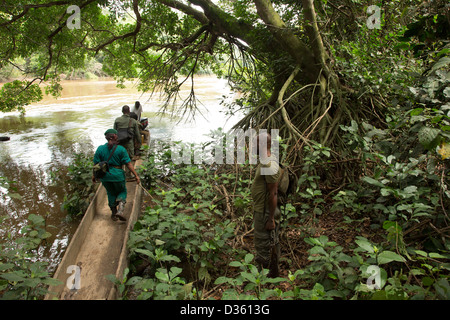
114,180
126,122
266,213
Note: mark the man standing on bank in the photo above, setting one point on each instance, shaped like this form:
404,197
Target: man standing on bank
114,180
266,213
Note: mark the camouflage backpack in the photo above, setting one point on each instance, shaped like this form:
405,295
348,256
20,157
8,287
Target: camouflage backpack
287,183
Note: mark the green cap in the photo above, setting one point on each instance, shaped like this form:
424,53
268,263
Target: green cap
110,131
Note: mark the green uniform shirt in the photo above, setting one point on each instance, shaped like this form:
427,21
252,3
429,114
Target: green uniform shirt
124,122
119,158
259,189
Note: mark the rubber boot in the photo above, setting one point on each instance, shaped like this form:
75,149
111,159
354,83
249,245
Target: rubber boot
114,213
120,209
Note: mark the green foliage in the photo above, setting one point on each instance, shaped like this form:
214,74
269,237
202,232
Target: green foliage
77,184
406,178
23,273
310,193
17,94
185,224
255,283
9,189
186,231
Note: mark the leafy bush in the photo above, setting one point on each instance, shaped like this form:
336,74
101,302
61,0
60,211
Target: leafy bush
186,224
79,189
23,273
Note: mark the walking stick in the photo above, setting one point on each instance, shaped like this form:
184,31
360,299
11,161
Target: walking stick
146,191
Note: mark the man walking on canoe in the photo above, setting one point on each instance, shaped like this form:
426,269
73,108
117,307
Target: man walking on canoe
114,180
127,124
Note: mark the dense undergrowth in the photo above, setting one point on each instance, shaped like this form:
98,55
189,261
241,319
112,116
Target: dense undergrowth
389,228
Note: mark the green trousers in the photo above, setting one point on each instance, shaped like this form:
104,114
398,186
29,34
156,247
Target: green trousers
129,146
116,192
266,242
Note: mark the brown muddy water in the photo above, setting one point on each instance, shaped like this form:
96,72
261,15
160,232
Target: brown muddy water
45,139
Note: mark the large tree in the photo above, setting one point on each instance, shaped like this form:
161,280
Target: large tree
274,52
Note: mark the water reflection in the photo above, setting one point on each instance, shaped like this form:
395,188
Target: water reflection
45,139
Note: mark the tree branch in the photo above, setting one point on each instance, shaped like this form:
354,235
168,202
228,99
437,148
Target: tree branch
27,7
292,44
126,35
197,15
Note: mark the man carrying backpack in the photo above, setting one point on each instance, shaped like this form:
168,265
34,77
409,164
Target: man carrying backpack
114,180
129,135
128,131
266,213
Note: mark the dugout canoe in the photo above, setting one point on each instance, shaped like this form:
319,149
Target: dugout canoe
97,249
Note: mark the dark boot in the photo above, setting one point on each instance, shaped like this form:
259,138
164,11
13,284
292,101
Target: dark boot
273,271
114,213
261,263
273,264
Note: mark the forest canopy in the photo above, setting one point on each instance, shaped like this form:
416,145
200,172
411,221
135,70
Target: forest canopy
304,67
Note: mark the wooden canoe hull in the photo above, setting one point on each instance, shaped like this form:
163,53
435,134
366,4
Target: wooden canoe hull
97,249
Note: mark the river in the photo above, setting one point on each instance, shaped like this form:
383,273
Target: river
45,139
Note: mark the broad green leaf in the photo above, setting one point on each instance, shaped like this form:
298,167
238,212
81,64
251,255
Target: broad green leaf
174,272
6,266
162,276
437,256
146,252
421,253
416,112
365,244
443,62
235,264
443,288
15,196
162,286
428,137
317,250
249,258
170,257
372,181
12,276
32,282
427,281
389,256
250,277
275,280
221,280
133,280
35,219
51,282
